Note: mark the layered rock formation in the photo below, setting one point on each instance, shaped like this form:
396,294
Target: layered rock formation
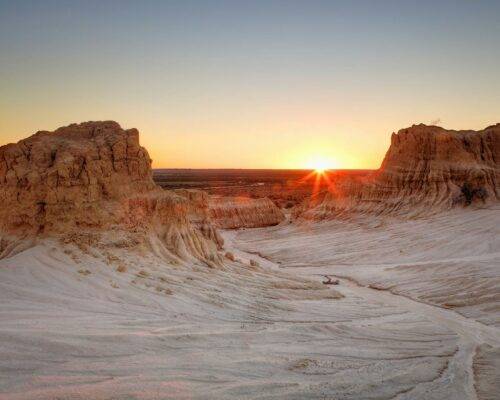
244,212
199,213
55,179
95,177
426,169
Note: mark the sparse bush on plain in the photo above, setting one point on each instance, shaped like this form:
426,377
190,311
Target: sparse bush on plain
469,193
84,272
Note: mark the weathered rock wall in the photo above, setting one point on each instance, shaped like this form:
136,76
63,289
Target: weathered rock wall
426,169
95,177
53,180
244,212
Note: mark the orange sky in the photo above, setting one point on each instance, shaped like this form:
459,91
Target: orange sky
259,84
291,141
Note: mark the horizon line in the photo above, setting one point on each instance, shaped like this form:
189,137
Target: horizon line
263,169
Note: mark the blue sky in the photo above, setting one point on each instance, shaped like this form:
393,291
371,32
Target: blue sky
251,84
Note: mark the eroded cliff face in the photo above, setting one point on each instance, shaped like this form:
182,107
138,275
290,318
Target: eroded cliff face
95,178
54,180
198,212
244,212
426,169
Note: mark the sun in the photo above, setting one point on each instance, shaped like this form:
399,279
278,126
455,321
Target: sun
320,168
320,165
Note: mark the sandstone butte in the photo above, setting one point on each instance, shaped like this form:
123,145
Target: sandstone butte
92,183
427,169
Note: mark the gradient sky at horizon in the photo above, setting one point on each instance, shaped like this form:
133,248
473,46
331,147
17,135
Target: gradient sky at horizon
255,84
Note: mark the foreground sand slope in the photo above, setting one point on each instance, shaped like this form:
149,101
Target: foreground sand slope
72,326
450,261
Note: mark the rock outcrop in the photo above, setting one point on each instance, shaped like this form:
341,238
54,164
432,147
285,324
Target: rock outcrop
54,180
426,169
244,212
199,213
95,177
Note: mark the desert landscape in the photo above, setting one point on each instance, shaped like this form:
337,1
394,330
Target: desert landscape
249,200
114,288
285,188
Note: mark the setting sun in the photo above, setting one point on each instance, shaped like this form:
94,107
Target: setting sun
320,164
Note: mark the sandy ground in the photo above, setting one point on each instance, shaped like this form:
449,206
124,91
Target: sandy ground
73,327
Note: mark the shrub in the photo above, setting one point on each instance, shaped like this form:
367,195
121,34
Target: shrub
254,263
469,193
84,272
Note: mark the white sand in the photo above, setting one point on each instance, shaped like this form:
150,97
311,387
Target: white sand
72,327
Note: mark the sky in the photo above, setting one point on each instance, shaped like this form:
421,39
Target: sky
251,84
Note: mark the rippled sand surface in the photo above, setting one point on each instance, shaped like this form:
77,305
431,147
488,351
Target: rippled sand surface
415,316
